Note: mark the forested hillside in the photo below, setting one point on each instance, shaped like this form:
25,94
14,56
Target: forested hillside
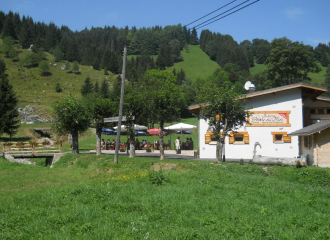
45,61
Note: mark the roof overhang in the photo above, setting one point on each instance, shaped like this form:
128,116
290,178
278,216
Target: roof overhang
308,91
311,129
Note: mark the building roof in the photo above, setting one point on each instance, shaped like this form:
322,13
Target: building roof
317,90
323,99
308,91
311,129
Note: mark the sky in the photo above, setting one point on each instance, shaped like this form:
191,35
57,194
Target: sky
306,21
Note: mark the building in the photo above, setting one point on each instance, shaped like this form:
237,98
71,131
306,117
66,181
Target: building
277,112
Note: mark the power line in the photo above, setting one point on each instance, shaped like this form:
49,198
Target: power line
198,26
222,13
228,14
200,19
209,13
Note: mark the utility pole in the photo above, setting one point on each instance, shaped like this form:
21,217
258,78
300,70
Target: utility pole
121,104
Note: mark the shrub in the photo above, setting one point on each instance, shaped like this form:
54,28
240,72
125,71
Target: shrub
158,178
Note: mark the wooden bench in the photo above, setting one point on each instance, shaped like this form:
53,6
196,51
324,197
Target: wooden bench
31,147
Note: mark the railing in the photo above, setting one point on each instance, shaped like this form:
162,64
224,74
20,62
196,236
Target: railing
32,147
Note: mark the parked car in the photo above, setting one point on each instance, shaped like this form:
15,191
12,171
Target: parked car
184,132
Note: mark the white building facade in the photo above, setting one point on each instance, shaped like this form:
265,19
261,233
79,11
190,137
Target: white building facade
276,113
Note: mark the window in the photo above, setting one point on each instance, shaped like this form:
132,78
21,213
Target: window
320,111
307,141
210,138
281,137
239,138
278,137
313,110
328,110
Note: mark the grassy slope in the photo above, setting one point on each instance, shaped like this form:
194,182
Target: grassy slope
36,90
90,197
196,63
317,78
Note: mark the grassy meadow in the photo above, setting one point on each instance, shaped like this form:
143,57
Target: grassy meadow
89,197
196,63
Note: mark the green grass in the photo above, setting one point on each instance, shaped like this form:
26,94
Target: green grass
196,63
90,197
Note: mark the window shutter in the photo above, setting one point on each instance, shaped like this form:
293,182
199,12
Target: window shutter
231,138
208,137
246,138
286,138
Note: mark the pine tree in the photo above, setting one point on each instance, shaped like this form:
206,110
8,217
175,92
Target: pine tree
96,87
87,88
75,67
9,121
106,72
96,64
104,90
194,37
58,87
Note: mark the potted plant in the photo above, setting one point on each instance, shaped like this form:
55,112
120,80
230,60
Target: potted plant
45,143
32,143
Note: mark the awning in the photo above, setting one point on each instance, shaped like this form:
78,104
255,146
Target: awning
311,129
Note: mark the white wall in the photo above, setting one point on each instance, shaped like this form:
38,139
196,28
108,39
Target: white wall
289,100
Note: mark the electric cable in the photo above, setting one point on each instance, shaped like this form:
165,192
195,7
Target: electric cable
228,14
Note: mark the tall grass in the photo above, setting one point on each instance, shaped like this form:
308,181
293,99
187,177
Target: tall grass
89,197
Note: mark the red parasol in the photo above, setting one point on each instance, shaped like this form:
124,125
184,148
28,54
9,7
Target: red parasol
154,131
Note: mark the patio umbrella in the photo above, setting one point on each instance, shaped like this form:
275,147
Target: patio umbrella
136,127
154,131
180,126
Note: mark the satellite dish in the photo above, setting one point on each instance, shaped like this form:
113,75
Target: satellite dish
247,85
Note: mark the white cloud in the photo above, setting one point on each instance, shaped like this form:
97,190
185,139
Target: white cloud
111,16
293,13
317,41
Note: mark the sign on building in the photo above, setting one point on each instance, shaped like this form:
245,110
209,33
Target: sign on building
269,118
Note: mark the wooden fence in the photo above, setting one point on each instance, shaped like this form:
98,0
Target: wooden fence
31,147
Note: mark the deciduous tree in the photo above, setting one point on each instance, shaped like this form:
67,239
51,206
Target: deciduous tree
72,117
289,62
163,98
223,109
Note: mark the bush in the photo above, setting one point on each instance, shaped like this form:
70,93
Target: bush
158,178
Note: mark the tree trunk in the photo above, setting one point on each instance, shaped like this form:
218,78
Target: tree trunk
219,151
161,141
75,145
98,140
132,145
